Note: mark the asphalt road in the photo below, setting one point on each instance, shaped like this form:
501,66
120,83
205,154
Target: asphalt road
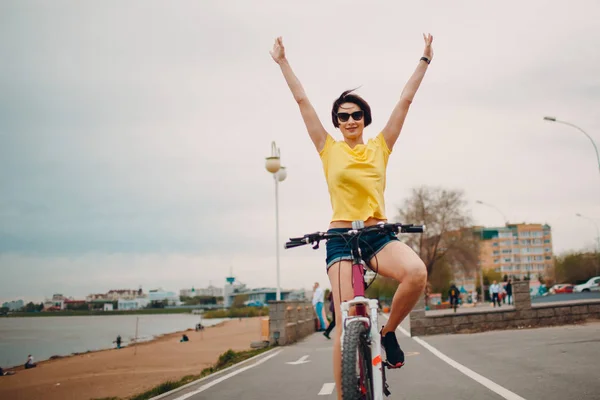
544,363
565,297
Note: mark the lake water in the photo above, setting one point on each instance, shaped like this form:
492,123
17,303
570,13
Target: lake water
44,337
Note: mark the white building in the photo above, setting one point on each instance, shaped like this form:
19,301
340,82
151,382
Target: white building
57,300
135,304
231,287
162,295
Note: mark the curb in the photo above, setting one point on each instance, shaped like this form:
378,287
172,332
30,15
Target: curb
161,396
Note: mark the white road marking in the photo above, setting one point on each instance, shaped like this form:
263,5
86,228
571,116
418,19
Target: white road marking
301,360
208,377
327,389
221,379
493,386
401,329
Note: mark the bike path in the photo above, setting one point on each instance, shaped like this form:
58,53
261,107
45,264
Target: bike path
548,363
304,371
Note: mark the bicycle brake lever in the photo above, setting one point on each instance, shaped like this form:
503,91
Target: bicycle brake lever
316,245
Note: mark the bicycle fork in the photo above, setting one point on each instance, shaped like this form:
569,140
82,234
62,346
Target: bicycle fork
380,386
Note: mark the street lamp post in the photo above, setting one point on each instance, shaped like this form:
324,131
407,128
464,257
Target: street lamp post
511,240
494,207
553,119
273,165
597,237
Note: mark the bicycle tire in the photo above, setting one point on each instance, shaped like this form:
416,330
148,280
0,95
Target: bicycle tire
356,350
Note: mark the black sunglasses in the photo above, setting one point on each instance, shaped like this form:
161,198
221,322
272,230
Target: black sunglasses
356,115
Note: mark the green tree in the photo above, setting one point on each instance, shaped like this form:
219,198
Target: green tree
541,278
448,237
382,288
490,275
196,300
78,306
157,304
238,301
575,267
30,307
440,278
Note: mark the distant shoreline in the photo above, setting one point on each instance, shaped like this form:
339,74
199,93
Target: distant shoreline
98,313
243,312
124,373
164,336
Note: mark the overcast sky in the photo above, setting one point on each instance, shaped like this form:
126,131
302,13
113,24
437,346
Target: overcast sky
133,134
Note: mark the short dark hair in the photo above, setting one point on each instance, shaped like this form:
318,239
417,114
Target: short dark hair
349,97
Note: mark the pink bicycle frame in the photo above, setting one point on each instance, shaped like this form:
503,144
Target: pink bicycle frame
361,304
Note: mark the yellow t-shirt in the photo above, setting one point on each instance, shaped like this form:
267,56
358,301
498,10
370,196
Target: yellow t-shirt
356,178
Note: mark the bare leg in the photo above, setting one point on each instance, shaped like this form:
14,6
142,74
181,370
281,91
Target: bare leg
340,276
398,261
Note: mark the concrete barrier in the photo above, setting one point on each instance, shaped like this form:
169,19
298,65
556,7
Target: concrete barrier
523,315
290,321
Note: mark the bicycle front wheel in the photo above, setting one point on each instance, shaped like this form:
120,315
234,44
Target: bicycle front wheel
357,375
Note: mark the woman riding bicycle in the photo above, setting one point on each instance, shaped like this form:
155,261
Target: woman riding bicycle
356,175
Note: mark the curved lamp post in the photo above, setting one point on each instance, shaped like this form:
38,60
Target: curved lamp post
553,119
493,206
273,165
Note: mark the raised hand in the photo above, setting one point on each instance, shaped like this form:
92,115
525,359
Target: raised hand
428,52
278,52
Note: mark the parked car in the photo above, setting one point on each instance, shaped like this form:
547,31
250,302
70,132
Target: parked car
566,289
562,288
593,285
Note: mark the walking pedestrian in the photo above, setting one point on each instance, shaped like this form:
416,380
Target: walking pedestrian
494,294
317,302
509,292
332,309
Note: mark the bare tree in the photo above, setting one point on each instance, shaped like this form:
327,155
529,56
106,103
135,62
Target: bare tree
448,236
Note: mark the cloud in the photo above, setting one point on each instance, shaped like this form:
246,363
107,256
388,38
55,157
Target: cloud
132,143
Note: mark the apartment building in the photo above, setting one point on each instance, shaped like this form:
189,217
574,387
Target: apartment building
516,250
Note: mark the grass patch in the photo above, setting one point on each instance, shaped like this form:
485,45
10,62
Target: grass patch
242,312
225,360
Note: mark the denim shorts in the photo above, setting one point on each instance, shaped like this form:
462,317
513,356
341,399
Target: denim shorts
370,244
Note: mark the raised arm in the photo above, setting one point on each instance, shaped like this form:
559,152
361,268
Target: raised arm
311,120
394,126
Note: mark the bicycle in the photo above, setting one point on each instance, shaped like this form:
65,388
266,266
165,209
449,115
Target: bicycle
363,372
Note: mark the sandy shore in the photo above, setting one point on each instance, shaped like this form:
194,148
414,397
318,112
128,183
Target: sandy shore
121,373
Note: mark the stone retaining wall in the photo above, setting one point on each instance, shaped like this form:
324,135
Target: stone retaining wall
292,319
523,315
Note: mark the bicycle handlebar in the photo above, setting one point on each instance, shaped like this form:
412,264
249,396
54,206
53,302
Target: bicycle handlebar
315,238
